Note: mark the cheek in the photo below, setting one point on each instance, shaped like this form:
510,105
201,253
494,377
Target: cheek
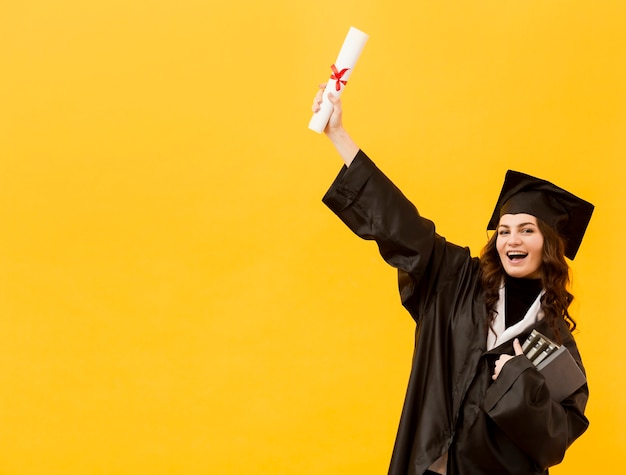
538,253
499,245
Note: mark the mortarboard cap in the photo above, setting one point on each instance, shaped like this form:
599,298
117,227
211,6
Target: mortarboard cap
563,211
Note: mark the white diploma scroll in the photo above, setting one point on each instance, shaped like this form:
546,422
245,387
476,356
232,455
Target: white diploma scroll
341,71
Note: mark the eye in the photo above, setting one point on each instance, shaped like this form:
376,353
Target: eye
528,230
503,232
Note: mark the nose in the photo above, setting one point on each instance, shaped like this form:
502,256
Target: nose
515,238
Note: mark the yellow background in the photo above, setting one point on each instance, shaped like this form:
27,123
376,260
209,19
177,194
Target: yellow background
175,299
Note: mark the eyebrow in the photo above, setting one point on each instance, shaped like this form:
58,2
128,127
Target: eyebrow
517,225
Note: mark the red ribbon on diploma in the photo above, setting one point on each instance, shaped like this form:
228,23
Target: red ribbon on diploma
337,75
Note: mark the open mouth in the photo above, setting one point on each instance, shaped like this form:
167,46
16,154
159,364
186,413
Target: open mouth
516,255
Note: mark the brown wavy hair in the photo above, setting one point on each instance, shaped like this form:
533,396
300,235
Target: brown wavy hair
555,278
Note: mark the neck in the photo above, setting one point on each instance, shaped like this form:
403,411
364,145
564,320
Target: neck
519,296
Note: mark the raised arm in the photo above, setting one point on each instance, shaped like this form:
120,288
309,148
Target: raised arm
334,130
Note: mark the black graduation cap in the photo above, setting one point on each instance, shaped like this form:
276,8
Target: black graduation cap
565,212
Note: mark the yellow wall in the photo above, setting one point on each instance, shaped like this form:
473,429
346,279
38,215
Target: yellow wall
175,299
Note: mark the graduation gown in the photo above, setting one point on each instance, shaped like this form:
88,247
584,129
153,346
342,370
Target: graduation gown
452,405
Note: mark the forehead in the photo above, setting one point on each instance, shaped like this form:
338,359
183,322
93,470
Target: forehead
519,219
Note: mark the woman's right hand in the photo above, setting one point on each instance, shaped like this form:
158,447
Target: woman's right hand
334,130
335,121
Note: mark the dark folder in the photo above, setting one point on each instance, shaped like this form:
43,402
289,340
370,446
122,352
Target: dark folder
563,376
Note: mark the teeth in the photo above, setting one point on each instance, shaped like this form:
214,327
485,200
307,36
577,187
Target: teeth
516,255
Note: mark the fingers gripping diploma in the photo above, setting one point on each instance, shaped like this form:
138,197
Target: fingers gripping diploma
334,121
505,358
334,130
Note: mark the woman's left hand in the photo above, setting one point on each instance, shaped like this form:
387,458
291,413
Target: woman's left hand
504,358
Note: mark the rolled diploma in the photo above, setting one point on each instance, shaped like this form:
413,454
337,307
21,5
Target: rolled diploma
347,58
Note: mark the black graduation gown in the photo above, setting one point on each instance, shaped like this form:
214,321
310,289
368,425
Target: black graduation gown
507,426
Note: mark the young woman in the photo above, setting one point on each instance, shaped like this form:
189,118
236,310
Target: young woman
474,404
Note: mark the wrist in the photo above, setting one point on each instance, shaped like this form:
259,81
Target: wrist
344,144
335,133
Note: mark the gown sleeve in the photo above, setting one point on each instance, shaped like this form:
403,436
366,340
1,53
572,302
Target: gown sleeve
520,404
375,209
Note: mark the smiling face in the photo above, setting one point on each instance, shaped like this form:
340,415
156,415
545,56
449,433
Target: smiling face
520,245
